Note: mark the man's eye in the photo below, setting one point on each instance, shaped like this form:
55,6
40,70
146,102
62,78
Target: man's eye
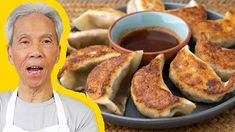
46,41
24,42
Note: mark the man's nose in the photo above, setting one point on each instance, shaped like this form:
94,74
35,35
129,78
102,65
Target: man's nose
36,51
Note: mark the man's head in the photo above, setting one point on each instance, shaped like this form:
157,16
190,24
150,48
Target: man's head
34,31
30,8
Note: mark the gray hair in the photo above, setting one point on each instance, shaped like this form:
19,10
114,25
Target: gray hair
29,8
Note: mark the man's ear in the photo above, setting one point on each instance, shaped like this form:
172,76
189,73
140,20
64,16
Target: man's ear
58,56
10,56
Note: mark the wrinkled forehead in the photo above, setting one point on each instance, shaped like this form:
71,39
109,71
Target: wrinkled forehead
34,24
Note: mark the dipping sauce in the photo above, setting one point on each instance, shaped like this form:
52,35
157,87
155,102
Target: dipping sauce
150,39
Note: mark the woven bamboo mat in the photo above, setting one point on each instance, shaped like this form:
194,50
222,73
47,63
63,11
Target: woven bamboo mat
224,122
75,7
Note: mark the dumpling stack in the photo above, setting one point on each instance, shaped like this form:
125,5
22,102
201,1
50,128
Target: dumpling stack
78,65
88,47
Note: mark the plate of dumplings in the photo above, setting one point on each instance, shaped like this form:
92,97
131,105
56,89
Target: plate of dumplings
196,85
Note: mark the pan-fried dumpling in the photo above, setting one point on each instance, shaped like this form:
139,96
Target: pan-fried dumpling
97,18
78,65
196,79
143,5
151,95
221,31
87,38
70,49
222,60
192,13
108,84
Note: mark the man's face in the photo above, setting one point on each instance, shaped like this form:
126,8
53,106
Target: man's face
34,50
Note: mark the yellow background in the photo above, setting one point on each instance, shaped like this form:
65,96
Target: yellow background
8,76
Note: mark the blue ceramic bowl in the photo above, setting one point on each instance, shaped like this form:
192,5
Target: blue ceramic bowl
145,19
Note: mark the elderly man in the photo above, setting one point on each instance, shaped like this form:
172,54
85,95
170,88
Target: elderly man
33,31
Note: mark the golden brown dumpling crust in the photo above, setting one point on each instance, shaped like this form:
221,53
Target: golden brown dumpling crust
77,58
108,84
152,5
218,31
96,87
145,5
196,79
196,74
221,31
214,54
147,90
151,95
190,14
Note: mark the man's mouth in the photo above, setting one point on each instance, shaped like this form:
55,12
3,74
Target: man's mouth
34,69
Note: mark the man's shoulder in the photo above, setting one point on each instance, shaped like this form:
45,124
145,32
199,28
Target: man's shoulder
74,104
5,96
84,117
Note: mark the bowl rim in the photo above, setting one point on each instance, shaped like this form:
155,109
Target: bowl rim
180,45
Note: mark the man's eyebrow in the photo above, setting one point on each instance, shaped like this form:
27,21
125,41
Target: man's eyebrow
48,34
25,34
22,34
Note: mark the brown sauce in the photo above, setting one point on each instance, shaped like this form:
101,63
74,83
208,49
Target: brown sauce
149,39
